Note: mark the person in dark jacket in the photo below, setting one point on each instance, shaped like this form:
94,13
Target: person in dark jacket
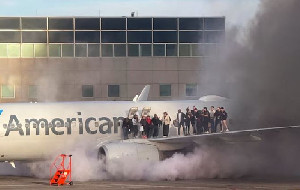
224,116
143,124
187,123
155,123
180,119
199,125
193,119
205,119
149,128
218,119
125,127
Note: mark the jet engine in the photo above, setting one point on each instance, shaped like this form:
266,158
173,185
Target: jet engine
133,150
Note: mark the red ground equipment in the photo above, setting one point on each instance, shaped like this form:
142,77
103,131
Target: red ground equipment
62,175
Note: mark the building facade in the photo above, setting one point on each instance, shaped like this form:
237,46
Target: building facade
107,58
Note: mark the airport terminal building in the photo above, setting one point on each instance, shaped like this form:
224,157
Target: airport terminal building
106,58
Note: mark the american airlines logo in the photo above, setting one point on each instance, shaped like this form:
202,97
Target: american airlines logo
102,124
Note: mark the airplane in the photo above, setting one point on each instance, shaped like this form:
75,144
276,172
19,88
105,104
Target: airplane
36,131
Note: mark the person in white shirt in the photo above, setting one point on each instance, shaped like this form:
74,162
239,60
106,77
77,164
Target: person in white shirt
212,112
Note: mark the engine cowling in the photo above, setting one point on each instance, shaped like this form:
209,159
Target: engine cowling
128,150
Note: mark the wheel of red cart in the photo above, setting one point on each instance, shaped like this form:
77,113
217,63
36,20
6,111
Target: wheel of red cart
71,183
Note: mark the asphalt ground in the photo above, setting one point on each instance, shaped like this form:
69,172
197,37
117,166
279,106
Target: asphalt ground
26,183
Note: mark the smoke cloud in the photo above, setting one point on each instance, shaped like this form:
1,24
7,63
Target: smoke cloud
260,73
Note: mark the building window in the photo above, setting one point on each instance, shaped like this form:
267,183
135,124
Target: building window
27,50
146,50
3,50
94,50
67,50
107,50
13,50
113,90
80,50
133,50
40,50
165,90
87,91
159,50
191,89
120,50
184,50
197,50
7,91
171,49
32,92
54,50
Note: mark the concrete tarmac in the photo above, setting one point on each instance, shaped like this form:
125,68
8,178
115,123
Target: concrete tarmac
26,183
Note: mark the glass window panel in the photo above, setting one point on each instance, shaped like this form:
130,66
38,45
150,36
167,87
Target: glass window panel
7,91
197,50
13,50
146,50
120,50
165,23
191,89
113,23
165,37
191,37
34,23
27,50
54,50
184,50
210,49
171,49
87,91
214,36
165,90
113,37
34,37
10,23
158,49
87,37
94,50
40,50
133,50
87,23
139,37
32,92
190,23
139,24
113,90
67,50
107,50
10,37
61,37
3,50
80,50
214,23
60,23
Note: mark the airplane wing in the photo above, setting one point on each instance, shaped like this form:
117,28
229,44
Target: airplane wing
232,137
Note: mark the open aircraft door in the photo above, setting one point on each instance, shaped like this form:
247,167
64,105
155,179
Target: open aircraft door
146,111
132,112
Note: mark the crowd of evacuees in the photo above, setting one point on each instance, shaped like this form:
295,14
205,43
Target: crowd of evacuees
191,122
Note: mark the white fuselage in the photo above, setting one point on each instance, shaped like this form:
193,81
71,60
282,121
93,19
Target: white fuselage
33,131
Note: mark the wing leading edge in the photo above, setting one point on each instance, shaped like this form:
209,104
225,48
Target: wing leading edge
232,137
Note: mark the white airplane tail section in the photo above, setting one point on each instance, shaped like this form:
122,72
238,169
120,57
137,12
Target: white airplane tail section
144,94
